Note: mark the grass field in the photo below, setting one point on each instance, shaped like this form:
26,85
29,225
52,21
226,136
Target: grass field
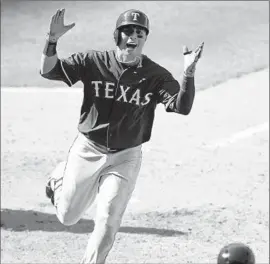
208,173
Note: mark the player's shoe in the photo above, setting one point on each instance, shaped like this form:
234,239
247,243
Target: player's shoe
49,190
55,181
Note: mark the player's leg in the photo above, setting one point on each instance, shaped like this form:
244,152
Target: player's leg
116,187
76,181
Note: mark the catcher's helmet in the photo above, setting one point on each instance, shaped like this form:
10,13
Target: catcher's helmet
236,253
131,17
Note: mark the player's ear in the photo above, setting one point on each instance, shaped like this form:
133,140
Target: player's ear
145,39
146,36
117,37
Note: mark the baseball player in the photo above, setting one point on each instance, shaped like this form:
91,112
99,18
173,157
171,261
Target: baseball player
121,89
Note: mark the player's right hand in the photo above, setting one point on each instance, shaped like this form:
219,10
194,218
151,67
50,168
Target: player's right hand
191,58
57,27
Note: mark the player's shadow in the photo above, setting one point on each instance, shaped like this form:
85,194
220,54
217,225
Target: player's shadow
19,220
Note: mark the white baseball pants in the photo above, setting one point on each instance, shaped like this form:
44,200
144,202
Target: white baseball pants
90,173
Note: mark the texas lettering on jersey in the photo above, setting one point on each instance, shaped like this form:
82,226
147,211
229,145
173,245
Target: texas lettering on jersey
105,81
104,89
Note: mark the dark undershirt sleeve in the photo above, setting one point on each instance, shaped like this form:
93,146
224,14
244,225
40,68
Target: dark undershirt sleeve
185,97
174,98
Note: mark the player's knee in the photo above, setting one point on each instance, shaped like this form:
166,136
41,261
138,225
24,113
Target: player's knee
109,218
66,219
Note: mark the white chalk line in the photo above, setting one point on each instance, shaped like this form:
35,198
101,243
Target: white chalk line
239,136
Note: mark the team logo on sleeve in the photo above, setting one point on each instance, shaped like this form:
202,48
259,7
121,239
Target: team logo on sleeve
125,94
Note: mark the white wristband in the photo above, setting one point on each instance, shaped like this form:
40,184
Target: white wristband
51,38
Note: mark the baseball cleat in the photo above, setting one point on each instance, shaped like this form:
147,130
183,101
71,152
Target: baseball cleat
49,190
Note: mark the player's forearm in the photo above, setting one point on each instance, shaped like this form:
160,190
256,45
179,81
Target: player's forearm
186,96
49,57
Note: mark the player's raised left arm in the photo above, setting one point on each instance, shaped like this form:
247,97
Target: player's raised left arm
185,97
49,56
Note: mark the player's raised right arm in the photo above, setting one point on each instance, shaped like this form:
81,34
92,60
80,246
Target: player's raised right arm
49,56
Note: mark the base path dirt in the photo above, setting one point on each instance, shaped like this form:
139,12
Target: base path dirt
204,180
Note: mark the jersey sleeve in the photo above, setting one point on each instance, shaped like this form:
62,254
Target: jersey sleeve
168,92
70,70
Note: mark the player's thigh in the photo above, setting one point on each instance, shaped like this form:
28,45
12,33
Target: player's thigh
81,178
115,190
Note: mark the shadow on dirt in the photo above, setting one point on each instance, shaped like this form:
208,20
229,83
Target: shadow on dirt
19,221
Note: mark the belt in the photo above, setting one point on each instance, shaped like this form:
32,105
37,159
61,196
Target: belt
114,150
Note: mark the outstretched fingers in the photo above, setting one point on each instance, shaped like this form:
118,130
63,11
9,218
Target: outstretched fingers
61,20
57,27
70,26
186,51
198,51
61,16
56,16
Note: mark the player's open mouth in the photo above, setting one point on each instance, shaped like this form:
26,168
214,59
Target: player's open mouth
131,45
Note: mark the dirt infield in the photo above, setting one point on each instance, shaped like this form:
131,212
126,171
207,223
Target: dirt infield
207,173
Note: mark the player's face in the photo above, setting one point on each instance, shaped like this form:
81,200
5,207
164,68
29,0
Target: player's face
132,39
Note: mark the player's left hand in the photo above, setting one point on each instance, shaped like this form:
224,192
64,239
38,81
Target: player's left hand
191,58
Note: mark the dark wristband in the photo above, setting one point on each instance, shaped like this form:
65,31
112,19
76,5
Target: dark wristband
50,48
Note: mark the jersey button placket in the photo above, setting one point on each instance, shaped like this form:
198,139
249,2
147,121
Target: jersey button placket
110,134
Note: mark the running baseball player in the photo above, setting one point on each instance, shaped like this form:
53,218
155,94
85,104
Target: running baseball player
121,89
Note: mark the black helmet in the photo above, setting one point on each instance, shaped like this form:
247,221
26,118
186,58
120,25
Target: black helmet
236,253
131,17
